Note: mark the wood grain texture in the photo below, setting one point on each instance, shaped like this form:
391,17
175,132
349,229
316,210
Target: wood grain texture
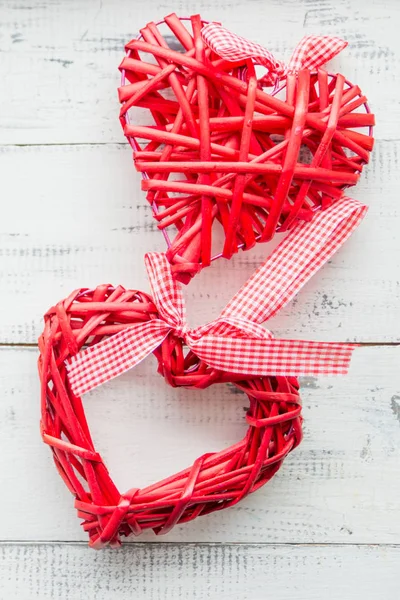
73,215
340,485
77,218
61,58
234,572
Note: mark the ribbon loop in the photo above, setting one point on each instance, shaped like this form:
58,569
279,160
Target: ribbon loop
235,342
167,295
312,52
233,47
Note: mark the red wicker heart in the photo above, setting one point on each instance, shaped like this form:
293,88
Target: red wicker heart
219,150
215,480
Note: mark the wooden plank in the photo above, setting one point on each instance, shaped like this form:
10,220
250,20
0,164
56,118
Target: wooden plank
59,59
340,485
167,571
75,217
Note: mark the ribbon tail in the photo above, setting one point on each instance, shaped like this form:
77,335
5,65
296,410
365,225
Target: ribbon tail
115,355
305,249
274,356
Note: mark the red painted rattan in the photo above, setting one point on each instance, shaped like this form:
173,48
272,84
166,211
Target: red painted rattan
215,480
220,149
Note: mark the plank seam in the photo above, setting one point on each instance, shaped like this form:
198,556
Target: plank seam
208,544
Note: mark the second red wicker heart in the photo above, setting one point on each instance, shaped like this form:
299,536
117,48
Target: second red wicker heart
218,152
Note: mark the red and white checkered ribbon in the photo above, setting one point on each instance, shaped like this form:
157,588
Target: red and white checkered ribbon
236,341
312,52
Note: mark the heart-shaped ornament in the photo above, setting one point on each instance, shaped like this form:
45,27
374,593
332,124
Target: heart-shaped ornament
217,152
215,480
95,335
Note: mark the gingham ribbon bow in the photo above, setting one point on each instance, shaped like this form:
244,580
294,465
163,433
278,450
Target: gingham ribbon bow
312,52
236,341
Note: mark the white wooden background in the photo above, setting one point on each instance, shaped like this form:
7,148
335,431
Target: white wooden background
72,215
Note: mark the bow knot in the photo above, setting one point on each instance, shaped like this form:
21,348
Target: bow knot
312,52
235,342
182,331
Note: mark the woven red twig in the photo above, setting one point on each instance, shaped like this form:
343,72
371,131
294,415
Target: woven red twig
221,150
120,328
215,480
